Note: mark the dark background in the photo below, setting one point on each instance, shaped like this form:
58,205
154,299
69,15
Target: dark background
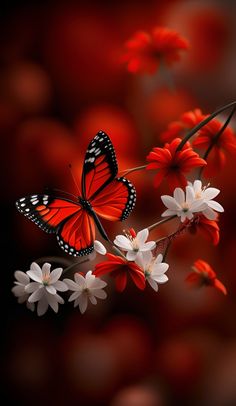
60,83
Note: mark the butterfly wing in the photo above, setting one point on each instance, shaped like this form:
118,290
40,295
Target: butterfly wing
100,166
73,226
116,201
76,235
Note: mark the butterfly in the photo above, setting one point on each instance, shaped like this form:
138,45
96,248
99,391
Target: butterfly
102,195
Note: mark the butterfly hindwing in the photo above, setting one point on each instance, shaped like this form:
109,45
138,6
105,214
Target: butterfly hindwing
76,235
100,165
116,201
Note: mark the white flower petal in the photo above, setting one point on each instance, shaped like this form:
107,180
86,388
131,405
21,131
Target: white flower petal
52,301
148,246
46,269
142,236
131,255
198,205
123,242
32,287
74,296
101,294
159,269
61,286
182,217
189,195
152,283
99,247
209,214
97,283
18,290
21,277
37,295
55,275
35,276
215,206
36,268
72,285
170,202
93,300
158,259
179,196
50,289
83,303
189,215
79,279
168,213
210,193
197,185
160,278
42,306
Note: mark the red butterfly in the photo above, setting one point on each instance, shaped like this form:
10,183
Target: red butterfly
102,195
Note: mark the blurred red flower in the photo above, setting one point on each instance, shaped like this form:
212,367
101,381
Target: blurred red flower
225,143
209,228
173,164
186,122
203,274
120,268
144,51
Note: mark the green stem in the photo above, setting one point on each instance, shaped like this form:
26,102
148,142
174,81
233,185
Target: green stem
202,123
215,139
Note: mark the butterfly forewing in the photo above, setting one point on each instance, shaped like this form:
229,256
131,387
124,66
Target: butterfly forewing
73,226
100,166
46,211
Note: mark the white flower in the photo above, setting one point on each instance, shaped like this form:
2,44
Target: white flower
207,194
99,247
44,288
134,243
182,206
154,269
84,288
22,280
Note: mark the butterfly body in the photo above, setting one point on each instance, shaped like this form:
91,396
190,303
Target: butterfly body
102,196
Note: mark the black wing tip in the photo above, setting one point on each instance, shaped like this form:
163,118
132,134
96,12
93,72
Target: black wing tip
132,198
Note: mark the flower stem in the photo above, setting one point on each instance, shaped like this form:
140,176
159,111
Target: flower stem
165,220
58,260
215,139
75,264
137,168
202,123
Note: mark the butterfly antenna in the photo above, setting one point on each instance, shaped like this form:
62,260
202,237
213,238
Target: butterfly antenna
63,191
73,177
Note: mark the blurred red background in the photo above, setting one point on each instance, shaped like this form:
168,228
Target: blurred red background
61,82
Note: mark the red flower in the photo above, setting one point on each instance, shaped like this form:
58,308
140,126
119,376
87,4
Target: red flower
225,143
209,228
173,164
120,268
146,51
203,274
186,122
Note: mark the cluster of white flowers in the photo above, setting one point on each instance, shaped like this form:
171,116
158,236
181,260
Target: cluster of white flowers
41,285
195,199
138,249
